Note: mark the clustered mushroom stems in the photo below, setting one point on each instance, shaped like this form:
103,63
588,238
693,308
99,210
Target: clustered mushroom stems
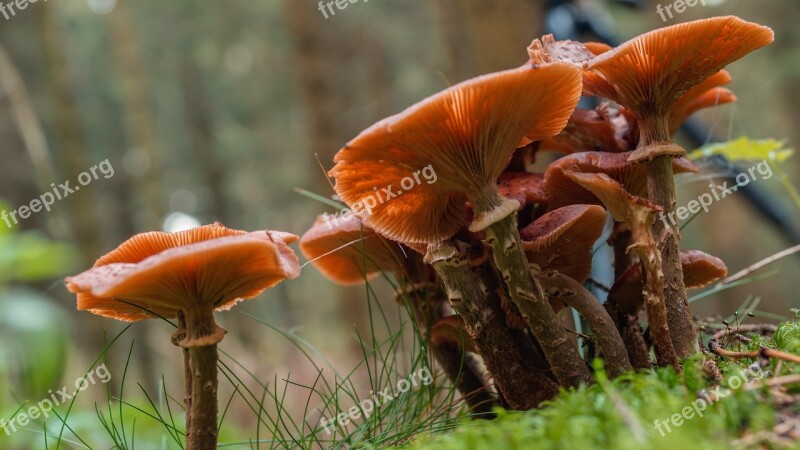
513,374
561,351
426,304
203,360
578,297
637,347
654,131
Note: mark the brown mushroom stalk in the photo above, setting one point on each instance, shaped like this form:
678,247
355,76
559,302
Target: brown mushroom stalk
520,384
572,293
639,214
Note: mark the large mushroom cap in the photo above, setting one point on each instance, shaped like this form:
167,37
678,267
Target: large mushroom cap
649,73
465,135
160,274
349,253
562,240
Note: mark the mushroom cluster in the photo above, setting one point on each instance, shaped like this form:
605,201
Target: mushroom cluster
486,253
509,249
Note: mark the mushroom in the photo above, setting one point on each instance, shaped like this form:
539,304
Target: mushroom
648,75
562,190
189,275
601,129
699,270
639,214
350,253
705,94
467,134
562,240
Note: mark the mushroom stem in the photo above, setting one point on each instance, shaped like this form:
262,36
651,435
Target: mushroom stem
187,374
654,132
517,380
464,372
653,292
203,363
661,190
560,351
578,297
461,368
637,347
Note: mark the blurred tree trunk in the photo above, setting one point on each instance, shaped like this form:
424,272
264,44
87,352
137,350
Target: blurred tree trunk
501,30
66,131
141,135
138,114
200,123
32,134
322,83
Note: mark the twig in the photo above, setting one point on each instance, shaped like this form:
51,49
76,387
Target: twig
774,381
760,328
764,262
764,352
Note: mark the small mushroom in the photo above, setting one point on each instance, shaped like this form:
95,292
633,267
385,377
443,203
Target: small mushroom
706,94
526,188
562,240
699,270
189,275
601,129
349,253
563,190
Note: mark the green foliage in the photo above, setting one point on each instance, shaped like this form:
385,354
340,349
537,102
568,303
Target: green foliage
746,149
787,336
622,414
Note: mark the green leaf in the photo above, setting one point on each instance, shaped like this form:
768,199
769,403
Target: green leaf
746,149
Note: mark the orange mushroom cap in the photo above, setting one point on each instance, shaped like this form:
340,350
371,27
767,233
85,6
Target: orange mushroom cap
699,270
349,253
562,240
706,94
467,135
650,73
160,274
601,129
526,188
563,190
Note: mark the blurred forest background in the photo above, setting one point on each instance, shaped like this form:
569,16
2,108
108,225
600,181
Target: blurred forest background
218,111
